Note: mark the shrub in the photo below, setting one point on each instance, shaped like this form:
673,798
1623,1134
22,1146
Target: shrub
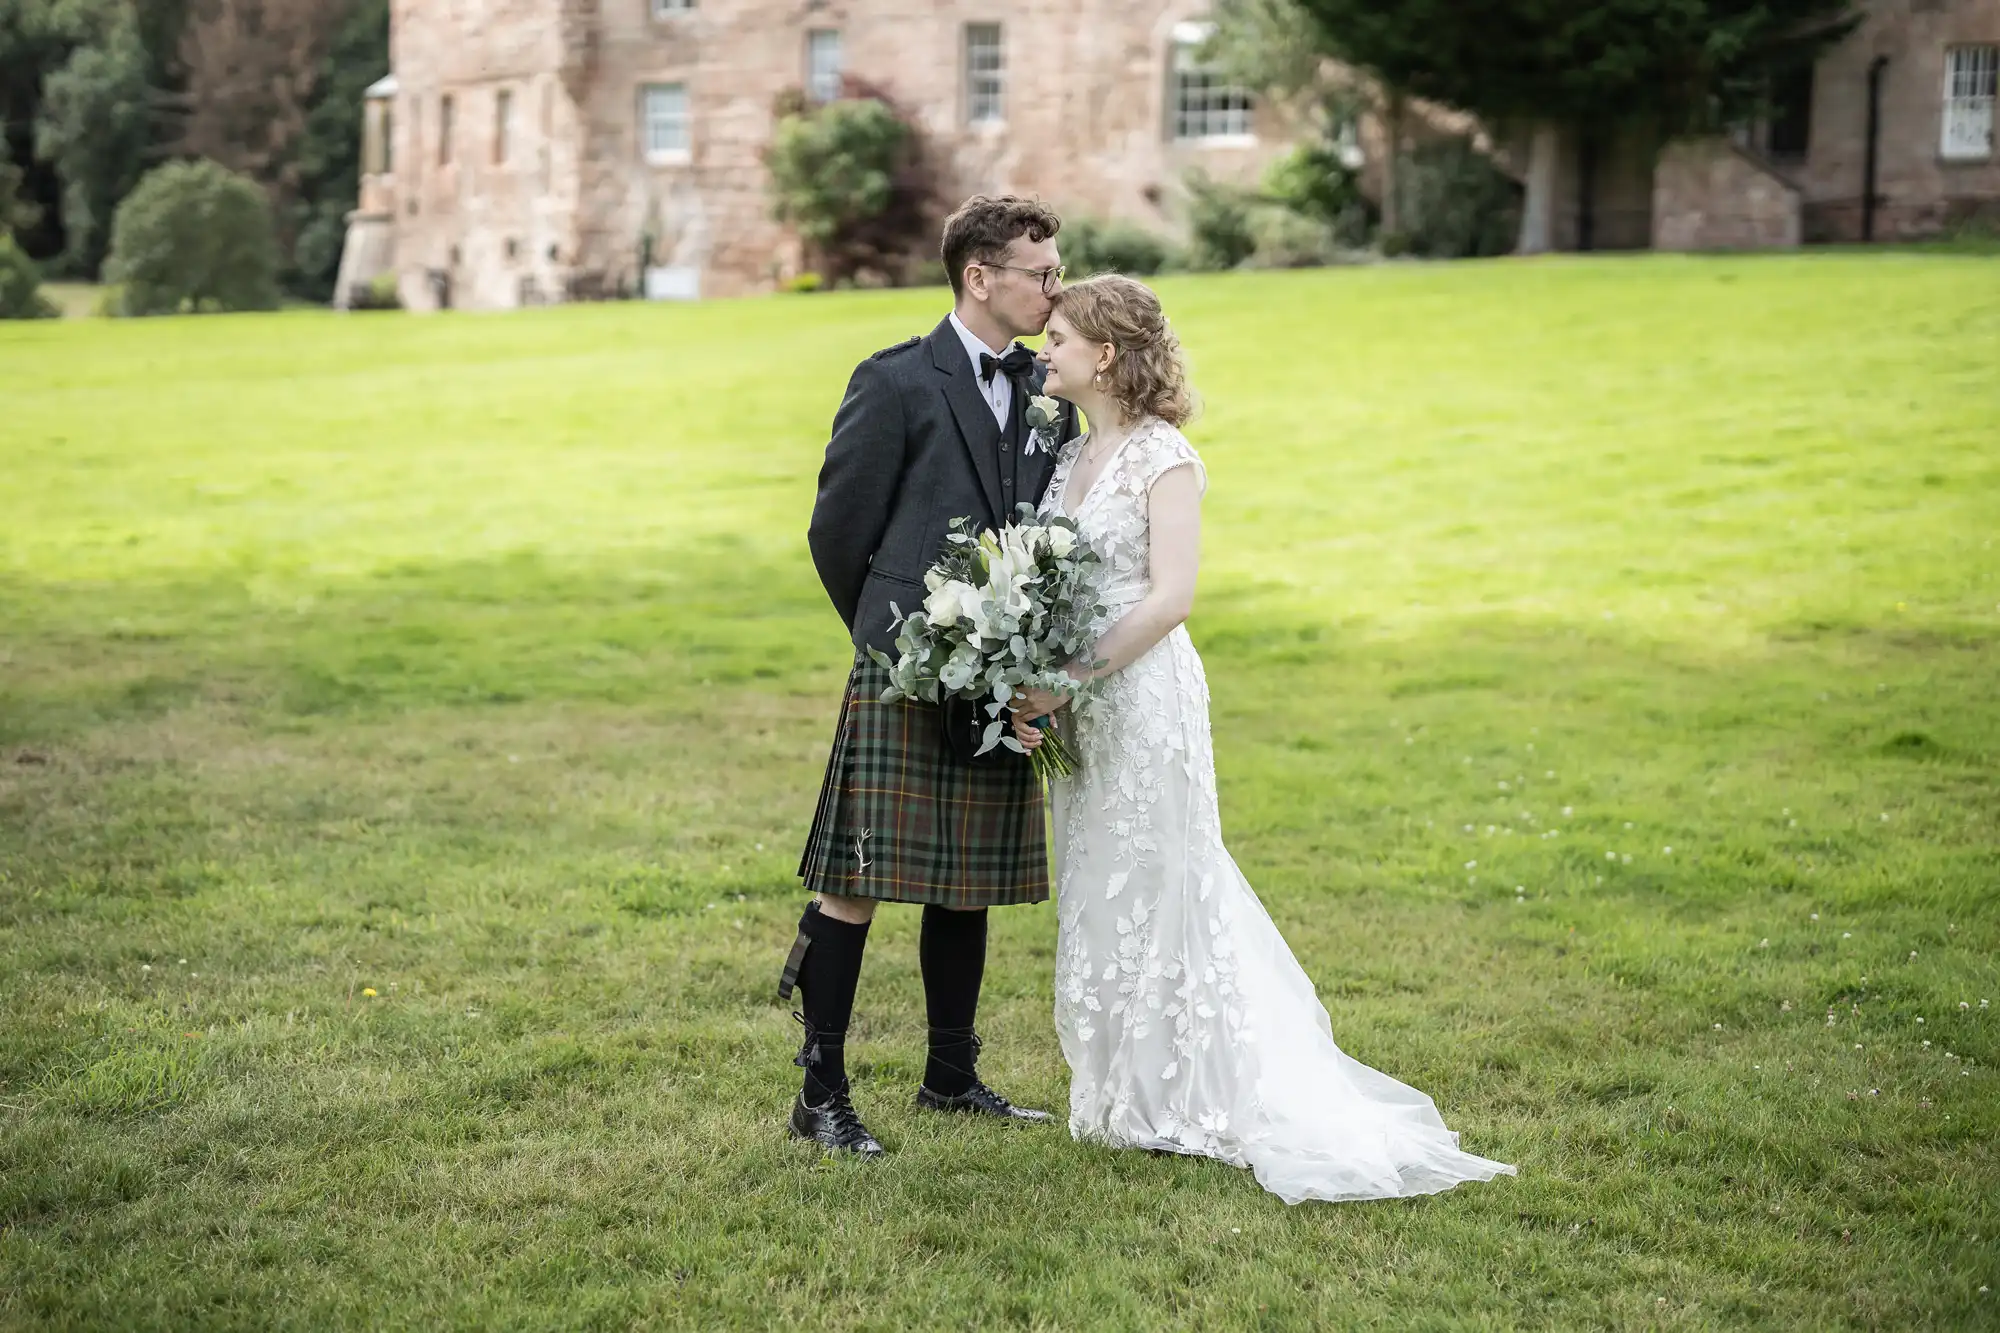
380,292
1313,182
1219,229
20,284
1456,203
850,176
1286,239
1090,247
195,237
806,282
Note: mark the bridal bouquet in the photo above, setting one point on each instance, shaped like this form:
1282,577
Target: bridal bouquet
1006,612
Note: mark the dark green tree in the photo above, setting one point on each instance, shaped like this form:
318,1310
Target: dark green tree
20,284
327,163
79,107
95,127
194,237
1556,66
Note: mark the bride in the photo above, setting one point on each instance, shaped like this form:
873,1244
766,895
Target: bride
1187,1024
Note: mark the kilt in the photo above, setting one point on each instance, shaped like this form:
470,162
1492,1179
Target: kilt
901,821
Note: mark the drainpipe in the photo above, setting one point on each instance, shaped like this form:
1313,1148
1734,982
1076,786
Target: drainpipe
1586,191
1875,68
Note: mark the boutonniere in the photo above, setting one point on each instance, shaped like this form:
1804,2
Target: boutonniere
1043,414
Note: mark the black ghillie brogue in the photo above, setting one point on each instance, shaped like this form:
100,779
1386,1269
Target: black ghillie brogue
979,1100
834,1125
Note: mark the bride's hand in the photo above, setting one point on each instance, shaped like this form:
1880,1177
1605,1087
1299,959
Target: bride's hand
1041,703
1030,736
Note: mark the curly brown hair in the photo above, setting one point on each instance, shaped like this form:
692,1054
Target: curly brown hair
1148,374
984,226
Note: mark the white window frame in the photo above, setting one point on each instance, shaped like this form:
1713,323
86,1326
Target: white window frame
985,74
1201,106
1965,132
662,10
666,132
823,75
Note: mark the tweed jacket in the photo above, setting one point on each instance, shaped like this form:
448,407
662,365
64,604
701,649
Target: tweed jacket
914,446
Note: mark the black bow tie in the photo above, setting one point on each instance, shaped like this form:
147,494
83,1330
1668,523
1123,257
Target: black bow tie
1019,363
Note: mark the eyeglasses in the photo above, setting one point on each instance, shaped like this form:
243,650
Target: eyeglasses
1051,278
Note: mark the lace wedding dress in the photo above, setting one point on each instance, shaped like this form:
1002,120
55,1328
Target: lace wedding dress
1187,1023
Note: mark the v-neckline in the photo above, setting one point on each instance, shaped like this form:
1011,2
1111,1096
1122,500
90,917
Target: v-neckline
1075,515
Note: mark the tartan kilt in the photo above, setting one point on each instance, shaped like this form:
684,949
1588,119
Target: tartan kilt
901,821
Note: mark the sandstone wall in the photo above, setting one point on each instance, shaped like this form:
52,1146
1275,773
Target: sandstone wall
1710,195
1918,191
1086,128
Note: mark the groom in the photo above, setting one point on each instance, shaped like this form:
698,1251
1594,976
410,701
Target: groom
930,430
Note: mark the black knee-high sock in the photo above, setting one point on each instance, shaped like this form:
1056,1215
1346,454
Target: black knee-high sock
828,975
953,954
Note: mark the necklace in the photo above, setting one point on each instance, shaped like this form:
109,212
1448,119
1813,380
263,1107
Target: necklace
1091,460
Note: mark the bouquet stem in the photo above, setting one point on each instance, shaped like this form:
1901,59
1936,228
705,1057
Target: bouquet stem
1052,758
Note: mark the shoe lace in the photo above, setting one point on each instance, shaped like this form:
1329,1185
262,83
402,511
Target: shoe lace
840,1109
954,1037
817,1041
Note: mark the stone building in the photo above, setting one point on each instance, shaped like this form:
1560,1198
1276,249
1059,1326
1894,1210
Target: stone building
537,150
1905,101
1889,136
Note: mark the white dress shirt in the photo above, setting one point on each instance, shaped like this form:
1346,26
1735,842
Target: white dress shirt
998,392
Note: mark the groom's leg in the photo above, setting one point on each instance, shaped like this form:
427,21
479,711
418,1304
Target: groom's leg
953,954
829,971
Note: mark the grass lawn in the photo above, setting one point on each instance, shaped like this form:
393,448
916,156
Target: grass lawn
407,729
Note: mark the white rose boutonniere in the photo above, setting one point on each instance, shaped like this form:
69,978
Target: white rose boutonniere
1043,414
